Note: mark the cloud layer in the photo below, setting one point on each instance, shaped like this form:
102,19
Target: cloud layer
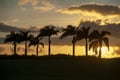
43,5
102,25
7,28
104,10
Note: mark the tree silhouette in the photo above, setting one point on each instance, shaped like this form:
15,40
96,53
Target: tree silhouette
36,41
83,34
14,38
25,36
48,31
70,31
97,39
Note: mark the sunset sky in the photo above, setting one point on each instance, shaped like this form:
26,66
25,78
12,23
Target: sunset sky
99,14
23,13
39,13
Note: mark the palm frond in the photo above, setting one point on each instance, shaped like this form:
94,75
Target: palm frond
69,31
79,35
103,33
35,41
106,41
41,44
48,31
94,35
93,44
12,37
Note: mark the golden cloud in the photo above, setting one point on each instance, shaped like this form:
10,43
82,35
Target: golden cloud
92,9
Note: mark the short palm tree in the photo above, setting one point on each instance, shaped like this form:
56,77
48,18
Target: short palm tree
25,36
97,39
83,34
70,31
48,31
14,38
36,41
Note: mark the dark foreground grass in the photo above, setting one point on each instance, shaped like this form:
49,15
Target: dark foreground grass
59,68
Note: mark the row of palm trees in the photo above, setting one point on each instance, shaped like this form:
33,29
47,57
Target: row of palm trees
95,38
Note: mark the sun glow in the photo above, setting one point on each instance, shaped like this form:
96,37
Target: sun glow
113,51
106,53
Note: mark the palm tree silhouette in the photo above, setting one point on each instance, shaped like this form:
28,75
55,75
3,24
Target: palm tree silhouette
97,39
14,38
70,31
83,34
36,41
48,31
25,36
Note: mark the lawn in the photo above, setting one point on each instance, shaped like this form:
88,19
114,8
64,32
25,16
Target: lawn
59,68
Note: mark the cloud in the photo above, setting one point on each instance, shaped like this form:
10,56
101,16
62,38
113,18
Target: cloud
7,28
46,6
24,2
101,25
14,20
92,9
43,5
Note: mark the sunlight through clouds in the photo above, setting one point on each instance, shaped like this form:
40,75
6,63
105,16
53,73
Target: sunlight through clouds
93,11
104,10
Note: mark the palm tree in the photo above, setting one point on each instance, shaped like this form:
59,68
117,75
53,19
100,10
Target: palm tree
36,41
97,39
83,34
70,31
25,36
48,31
14,38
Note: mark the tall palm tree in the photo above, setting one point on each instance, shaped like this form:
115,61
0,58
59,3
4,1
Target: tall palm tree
70,31
25,36
14,38
36,41
48,31
84,34
97,38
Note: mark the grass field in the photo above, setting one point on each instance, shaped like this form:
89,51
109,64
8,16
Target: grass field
59,68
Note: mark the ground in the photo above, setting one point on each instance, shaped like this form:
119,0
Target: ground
59,68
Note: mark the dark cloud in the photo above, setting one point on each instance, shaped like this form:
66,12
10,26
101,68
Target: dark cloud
1,39
105,10
95,25
57,41
8,28
114,28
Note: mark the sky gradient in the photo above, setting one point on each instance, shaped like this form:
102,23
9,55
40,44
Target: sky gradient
23,13
101,15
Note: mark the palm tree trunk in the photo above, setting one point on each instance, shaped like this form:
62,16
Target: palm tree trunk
15,45
73,42
25,48
100,51
49,47
86,47
37,50
73,49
